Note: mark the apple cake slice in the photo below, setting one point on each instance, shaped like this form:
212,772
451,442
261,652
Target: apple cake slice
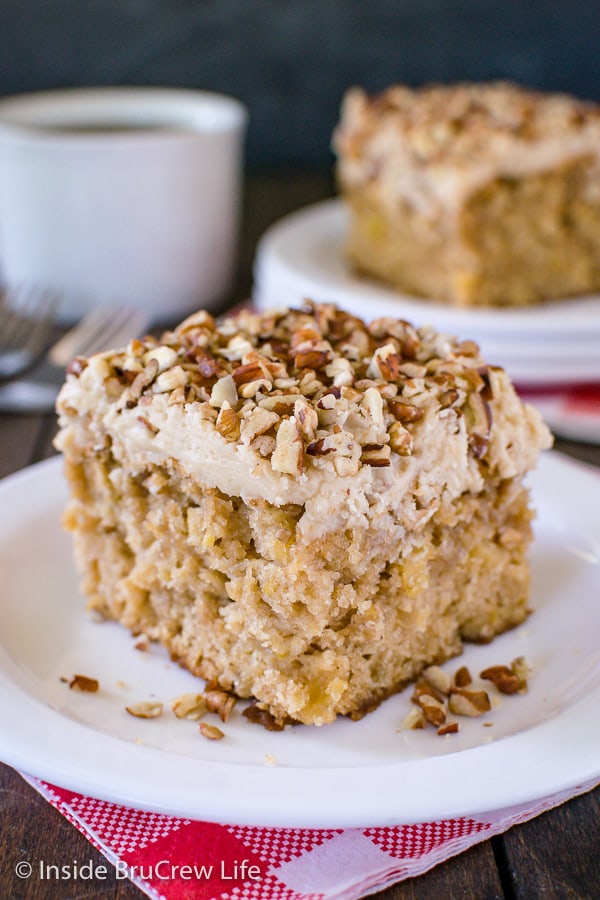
304,509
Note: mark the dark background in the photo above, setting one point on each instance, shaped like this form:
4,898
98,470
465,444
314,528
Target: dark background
290,62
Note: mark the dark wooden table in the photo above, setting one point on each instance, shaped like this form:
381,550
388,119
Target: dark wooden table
554,856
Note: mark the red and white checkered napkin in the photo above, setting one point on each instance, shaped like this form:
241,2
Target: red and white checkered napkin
171,858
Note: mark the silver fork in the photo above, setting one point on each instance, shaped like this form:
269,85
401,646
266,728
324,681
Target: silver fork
101,329
26,322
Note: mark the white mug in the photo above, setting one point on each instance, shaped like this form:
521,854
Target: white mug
121,195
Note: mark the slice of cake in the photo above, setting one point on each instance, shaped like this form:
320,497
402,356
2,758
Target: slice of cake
304,509
473,194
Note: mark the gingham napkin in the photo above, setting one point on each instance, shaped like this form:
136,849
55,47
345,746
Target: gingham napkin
172,858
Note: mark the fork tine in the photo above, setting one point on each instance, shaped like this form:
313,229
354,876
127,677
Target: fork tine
18,309
95,333
26,316
12,317
42,320
125,320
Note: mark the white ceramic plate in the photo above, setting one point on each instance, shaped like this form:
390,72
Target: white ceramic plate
550,372
303,256
371,772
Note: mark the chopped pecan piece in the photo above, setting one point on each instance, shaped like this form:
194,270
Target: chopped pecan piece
76,366
385,362
467,348
84,684
521,670
502,678
401,440
249,372
169,380
303,336
219,702
208,365
317,448
465,702
143,379
414,718
263,717
211,732
422,687
376,455
145,710
289,449
405,412
258,422
228,423
438,679
448,728
478,417
306,417
224,391
311,358
189,706
448,398
511,680
462,677
434,710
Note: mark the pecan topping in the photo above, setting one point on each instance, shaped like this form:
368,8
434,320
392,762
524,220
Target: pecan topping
76,366
404,412
143,379
208,366
289,450
312,374
478,416
228,423
317,448
401,440
376,455
249,372
311,358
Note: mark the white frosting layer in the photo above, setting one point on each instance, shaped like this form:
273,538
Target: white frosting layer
183,440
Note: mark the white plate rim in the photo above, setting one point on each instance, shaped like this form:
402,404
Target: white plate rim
109,769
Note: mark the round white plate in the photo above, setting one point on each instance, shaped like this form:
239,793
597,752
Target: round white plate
371,772
303,256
